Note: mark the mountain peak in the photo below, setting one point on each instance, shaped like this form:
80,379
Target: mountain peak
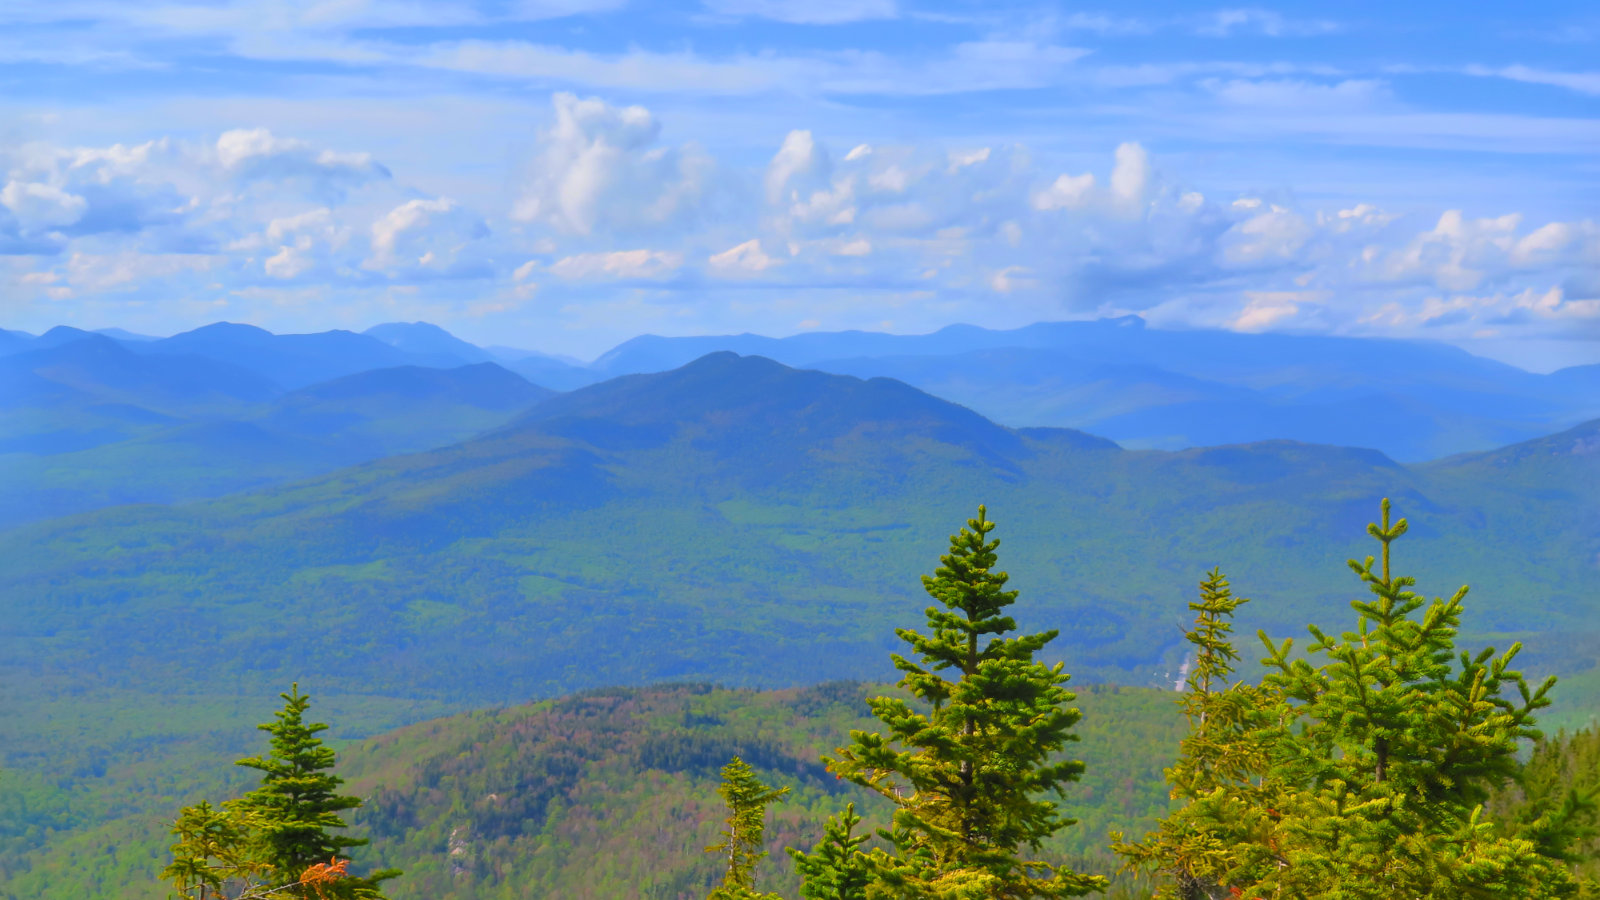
739,402
427,339
234,330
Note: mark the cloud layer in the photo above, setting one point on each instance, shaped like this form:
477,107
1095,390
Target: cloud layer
834,235
565,174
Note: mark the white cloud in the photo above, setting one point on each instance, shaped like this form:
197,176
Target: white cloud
1126,192
1274,235
419,237
1067,192
860,151
1299,96
40,206
799,157
744,259
113,271
1581,82
644,264
257,153
1264,309
599,170
1130,177
892,180
961,160
1455,254
858,247
1226,22
807,12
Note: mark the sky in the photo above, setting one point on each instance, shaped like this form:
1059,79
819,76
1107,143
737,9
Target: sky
561,175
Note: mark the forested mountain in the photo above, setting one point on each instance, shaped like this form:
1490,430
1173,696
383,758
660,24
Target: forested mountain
736,520
89,423
1145,388
1149,388
427,340
732,520
605,794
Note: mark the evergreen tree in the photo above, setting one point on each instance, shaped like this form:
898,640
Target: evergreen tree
744,838
1555,802
1202,843
837,868
969,776
1358,771
274,840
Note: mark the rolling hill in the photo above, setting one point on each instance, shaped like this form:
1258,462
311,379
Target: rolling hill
1144,388
1154,389
739,521
606,794
89,424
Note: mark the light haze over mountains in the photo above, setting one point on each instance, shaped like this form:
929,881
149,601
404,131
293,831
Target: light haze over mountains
96,419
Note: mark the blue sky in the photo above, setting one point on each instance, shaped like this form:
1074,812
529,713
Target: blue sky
563,175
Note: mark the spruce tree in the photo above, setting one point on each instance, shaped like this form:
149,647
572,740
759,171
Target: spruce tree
1204,842
837,868
970,771
1359,769
744,837
274,841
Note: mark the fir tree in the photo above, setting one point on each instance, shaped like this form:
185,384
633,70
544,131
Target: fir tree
837,868
1206,840
970,776
1359,770
274,840
744,838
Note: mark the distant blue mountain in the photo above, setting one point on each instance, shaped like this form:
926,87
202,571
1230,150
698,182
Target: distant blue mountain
1142,387
553,373
59,335
14,341
102,371
91,424
294,360
122,334
427,340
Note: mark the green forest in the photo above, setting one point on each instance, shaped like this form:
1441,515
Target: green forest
1381,757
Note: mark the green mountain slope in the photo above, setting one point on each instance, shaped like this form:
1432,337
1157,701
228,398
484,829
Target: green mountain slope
610,794
739,521
93,425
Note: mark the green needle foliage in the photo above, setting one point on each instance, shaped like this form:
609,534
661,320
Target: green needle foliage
1198,846
837,868
275,839
968,776
1358,771
744,838
1555,802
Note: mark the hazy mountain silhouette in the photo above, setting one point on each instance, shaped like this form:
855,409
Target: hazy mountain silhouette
293,360
94,425
425,339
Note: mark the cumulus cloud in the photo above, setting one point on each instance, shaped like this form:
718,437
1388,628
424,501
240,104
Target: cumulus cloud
1125,193
599,169
257,154
744,259
624,264
424,236
40,206
945,232
799,159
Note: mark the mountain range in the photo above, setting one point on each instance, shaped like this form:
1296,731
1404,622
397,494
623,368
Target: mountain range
92,419
440,535
739,521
